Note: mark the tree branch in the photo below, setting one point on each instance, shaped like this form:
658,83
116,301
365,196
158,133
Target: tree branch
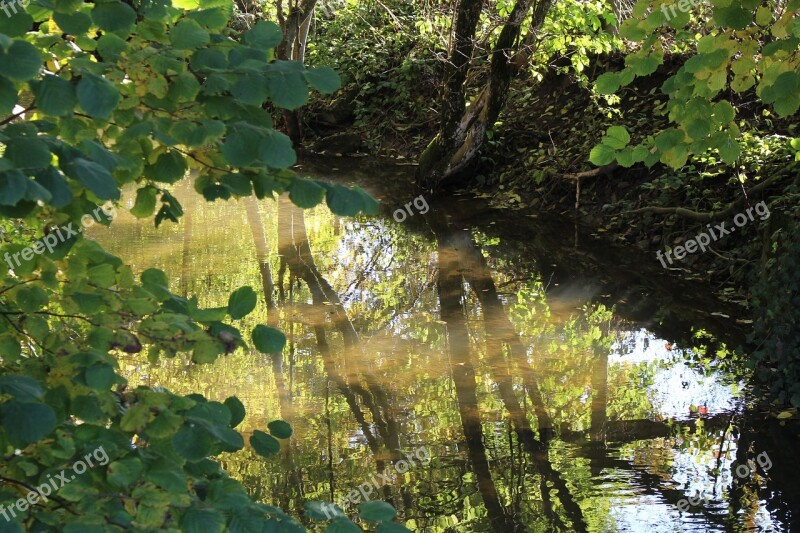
713,215
61,503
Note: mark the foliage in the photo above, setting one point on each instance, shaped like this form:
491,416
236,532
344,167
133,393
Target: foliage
741,47
97,97
577,31
777,359
387,56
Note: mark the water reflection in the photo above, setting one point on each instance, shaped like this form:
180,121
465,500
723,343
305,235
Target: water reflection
520,362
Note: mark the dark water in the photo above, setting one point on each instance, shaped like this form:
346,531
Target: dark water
501,372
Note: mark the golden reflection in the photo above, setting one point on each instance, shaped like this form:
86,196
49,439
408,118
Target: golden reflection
404,337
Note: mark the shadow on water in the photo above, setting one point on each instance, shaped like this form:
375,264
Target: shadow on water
552,379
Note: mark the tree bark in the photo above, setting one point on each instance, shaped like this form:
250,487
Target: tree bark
462,135
293,48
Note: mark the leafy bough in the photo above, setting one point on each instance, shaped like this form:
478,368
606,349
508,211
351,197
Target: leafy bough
95,96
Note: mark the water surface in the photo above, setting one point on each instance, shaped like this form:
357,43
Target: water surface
538,378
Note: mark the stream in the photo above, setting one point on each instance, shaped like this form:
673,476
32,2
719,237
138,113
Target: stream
501,372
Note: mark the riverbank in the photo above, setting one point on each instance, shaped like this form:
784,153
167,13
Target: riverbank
537,162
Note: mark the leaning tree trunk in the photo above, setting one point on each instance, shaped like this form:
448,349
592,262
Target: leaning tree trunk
293,48
463,132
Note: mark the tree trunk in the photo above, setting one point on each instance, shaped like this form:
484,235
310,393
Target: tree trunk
293,48
456,148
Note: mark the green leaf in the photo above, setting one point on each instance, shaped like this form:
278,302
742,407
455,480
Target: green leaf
20,387
349,202
20,61
264,186
55,96
237,184
287,87
28,152
31,298
323,510
264,35
213,19
341,524
250,89
763,16
35,192
280,429
729,149
155,282
668,138
241,147
734,17
13,185
206,351
306,193
268,340
264,445
170,167
784,94
52,180
15,23
8,96
110,46
10,349
698,128
323,79
276,150
237,410
643,65
675,157
625,157
617,137
114,16
188,35
121,474
208,132
632,30
241,302
723,112
607,83
166,475
209,315
97,96
601,155
94,177
26,422
76,23
202,521
100,377
145,202
193,443
209,58
376,511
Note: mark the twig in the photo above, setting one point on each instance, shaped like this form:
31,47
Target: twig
605,170
16,115
706,217
61,503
